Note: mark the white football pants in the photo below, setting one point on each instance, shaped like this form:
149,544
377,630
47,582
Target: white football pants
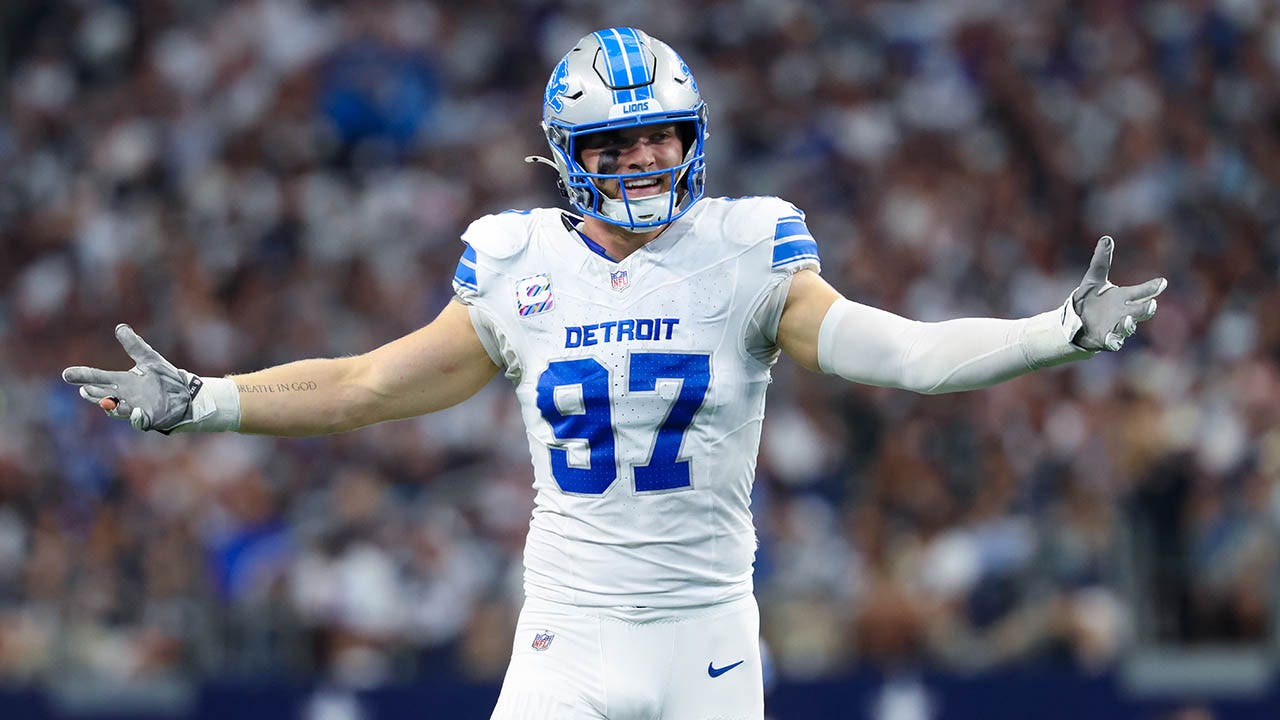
572,663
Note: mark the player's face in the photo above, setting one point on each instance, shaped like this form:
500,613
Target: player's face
644,148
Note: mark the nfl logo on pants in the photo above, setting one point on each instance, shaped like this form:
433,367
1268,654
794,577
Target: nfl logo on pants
542,640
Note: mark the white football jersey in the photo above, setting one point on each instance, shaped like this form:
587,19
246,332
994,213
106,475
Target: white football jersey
642,386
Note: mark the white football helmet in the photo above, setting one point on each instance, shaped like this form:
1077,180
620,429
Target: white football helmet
621,77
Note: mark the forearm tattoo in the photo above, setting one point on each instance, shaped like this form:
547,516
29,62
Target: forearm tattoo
300,386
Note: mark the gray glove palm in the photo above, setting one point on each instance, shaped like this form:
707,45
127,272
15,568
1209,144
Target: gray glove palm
154,395
1110,313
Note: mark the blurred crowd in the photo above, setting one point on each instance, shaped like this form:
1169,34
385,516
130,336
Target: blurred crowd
253,182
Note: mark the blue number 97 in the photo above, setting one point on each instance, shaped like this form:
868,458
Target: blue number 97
593,420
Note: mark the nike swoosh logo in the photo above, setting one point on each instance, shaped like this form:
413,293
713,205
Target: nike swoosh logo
716,672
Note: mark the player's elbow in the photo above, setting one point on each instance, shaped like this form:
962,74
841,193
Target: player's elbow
931,379
919,369
378,391
921,384
358,400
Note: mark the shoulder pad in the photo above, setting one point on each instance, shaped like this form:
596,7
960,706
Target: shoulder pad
780,223
752,220
793,245
756,220
502,235
766,206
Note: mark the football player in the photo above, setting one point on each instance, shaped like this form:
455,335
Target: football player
638,332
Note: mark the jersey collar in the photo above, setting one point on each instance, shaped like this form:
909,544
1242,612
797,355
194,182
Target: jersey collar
572,223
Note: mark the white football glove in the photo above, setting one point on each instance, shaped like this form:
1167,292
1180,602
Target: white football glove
1109,313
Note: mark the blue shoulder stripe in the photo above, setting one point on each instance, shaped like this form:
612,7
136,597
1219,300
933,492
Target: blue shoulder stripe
795,251
792,242
790,228
465,275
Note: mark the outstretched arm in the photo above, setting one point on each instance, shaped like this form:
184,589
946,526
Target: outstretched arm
825,332
432,368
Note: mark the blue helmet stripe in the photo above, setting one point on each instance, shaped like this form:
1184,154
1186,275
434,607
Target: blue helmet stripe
639,69
626,64
616,63
613,56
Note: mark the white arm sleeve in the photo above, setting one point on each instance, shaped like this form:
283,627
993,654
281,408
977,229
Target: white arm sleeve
875,347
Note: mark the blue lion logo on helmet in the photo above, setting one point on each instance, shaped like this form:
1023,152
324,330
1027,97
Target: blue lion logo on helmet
557,86
693,84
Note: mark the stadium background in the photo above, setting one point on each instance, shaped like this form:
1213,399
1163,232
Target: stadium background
253,182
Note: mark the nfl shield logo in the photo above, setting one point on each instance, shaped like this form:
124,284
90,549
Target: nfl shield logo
542,640
618,279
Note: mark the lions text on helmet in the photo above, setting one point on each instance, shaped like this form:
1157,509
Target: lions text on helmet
616,109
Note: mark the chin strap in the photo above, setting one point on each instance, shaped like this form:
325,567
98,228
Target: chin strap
650,209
